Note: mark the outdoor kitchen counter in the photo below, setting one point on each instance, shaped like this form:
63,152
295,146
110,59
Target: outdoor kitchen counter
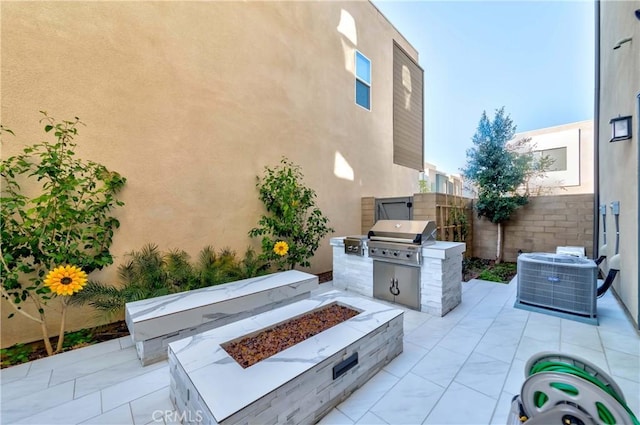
440,274
441,277
352,272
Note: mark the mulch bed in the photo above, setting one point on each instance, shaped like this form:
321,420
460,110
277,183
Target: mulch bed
325,277
98,334
250,350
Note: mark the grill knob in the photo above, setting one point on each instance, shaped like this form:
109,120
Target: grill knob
373,250
384,252
408,255
395,254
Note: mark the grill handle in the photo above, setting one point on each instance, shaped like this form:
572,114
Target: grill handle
394,287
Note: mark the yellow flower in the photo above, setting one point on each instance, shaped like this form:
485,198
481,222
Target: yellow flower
66,280
281,248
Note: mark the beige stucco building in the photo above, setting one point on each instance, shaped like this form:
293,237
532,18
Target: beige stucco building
191,100
570,146
618,162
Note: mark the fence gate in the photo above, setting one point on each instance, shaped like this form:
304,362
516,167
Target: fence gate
394,208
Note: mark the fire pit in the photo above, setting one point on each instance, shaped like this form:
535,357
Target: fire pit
298,385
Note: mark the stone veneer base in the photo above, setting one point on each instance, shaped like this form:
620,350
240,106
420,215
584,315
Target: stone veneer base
293,386
156,322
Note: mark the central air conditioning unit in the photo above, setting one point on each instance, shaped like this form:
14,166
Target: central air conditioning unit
557,284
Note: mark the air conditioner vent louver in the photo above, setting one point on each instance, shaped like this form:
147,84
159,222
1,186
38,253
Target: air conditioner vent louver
556,282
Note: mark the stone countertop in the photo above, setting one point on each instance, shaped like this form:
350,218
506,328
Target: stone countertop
227,387
442,249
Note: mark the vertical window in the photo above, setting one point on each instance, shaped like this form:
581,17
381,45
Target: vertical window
363,81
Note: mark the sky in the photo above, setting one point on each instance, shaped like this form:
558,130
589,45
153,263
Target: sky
535,58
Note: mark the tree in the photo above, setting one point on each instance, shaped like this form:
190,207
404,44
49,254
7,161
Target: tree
535,166
62,223
496,171
424,184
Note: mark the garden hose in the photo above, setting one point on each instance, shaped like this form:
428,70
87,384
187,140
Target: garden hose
570,380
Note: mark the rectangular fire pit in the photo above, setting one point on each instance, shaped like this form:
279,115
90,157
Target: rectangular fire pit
298,385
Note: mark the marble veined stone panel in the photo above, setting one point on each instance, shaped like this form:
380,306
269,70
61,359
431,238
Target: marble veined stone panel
155,322
293,386
352,272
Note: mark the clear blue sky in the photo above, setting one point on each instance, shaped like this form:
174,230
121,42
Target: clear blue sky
536,58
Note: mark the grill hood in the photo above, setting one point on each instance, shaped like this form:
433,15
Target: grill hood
405,231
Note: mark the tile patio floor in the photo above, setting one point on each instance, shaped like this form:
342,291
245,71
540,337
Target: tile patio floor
463,368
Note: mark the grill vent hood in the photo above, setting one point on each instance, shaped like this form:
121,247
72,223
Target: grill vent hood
406,231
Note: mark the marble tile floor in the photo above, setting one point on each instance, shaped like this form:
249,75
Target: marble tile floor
463,368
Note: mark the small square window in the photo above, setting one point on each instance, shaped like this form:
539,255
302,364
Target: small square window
363,81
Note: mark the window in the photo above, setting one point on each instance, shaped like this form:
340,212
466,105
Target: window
363,81
558,157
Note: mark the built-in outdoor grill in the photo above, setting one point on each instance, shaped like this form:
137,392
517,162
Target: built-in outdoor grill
396,249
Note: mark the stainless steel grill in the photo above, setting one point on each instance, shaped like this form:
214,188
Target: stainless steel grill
396,249
401,240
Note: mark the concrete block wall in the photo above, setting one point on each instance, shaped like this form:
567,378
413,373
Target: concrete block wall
542,225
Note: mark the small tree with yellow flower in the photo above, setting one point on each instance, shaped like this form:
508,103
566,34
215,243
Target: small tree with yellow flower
51,241
293,226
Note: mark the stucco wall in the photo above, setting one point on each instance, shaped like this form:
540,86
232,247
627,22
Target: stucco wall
542,225
619,161
190,100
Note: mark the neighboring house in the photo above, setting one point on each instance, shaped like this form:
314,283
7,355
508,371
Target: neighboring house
618,158
191,100
570,146
440,182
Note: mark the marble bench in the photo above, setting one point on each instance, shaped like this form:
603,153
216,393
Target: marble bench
154,323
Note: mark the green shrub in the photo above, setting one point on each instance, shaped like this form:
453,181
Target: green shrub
502,272
15,354
505,271
293,226
78,338
489,275
149,273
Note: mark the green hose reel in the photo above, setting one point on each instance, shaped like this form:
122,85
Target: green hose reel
567,390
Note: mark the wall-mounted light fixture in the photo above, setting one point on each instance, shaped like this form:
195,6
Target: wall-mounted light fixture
638,14
620,128
621,42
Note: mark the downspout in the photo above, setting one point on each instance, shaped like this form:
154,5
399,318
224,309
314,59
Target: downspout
638,182
596,137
